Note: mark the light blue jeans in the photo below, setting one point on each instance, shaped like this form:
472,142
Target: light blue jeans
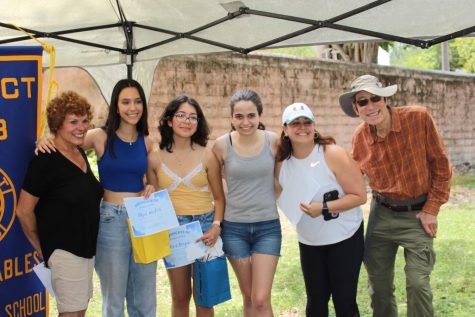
121,278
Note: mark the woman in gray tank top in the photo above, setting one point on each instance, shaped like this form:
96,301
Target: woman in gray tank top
251,228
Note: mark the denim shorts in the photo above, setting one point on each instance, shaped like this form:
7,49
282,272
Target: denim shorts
206,220
240,239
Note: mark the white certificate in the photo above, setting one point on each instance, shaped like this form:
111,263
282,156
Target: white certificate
152,215
184,248
291,197
44,274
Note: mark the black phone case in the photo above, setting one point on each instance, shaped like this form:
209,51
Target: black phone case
329,196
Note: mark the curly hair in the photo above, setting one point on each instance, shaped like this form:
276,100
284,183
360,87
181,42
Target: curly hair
201,135
68,102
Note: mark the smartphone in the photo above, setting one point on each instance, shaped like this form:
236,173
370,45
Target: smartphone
328,196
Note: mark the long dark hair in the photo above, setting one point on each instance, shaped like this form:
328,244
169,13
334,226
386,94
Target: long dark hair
247,95
284,150
113,118
201,135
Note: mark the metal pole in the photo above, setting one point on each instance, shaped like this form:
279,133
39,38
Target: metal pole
445,56
130,68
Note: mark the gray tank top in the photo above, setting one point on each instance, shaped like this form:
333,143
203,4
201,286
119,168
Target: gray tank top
250,182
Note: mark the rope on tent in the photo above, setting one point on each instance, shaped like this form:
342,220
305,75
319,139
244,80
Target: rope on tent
52,84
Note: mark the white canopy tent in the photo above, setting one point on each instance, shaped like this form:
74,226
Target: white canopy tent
113,39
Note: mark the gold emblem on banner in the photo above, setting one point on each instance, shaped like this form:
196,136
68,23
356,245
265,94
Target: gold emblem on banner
7,203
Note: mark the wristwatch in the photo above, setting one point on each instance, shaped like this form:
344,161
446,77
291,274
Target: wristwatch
325,210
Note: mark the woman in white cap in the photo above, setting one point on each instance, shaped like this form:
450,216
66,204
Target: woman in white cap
323,186
251,229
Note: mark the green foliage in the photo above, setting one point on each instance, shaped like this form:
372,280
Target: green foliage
461,55
92,158
410,56
464,51
387,46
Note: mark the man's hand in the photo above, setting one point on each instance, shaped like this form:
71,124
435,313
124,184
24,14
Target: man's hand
429,223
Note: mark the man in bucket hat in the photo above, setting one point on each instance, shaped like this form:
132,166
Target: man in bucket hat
403,156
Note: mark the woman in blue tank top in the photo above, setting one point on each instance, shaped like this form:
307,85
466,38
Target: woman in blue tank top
251,228
122,147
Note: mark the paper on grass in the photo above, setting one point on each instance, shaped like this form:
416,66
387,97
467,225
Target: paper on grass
44,274
152,215
184,248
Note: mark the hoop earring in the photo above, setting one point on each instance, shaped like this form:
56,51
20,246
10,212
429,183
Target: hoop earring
315,135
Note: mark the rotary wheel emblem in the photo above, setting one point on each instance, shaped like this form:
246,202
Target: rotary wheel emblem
7,204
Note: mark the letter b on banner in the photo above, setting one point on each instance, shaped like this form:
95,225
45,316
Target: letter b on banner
21,292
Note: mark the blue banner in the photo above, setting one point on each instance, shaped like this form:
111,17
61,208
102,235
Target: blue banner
21,292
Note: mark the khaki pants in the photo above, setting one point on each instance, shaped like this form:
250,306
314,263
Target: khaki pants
387,230
71,278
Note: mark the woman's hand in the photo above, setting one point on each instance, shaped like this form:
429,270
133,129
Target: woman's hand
40,255
45,145
148,190
211,236
314,209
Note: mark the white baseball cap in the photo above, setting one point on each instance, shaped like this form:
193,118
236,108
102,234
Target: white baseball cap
295,111
367,83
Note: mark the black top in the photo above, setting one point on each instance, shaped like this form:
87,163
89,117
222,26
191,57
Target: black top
67,213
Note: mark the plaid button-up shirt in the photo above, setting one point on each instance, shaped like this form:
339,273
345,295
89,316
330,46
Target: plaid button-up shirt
410,161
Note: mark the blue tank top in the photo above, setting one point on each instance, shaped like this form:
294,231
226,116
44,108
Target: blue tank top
124,172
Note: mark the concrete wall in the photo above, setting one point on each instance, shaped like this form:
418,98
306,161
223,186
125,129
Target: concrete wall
212,79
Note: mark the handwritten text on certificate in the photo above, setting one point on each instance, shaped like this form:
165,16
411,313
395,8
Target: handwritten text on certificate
152,215
184,248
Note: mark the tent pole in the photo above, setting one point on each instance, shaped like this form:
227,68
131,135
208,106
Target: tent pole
130,68
445,62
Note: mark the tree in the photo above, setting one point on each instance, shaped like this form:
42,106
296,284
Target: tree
461,55
404,55
464,53
365,52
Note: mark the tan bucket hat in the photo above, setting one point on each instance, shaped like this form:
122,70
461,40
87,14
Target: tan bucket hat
367,83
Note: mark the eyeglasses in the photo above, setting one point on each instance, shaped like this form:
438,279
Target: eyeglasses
180,116
364,102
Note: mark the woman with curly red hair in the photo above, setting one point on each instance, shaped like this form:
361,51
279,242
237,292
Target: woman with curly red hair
59,203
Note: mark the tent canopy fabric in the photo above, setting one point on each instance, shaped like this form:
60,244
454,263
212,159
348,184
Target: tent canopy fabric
98,33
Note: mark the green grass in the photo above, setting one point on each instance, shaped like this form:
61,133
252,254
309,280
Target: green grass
466,181
453,279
